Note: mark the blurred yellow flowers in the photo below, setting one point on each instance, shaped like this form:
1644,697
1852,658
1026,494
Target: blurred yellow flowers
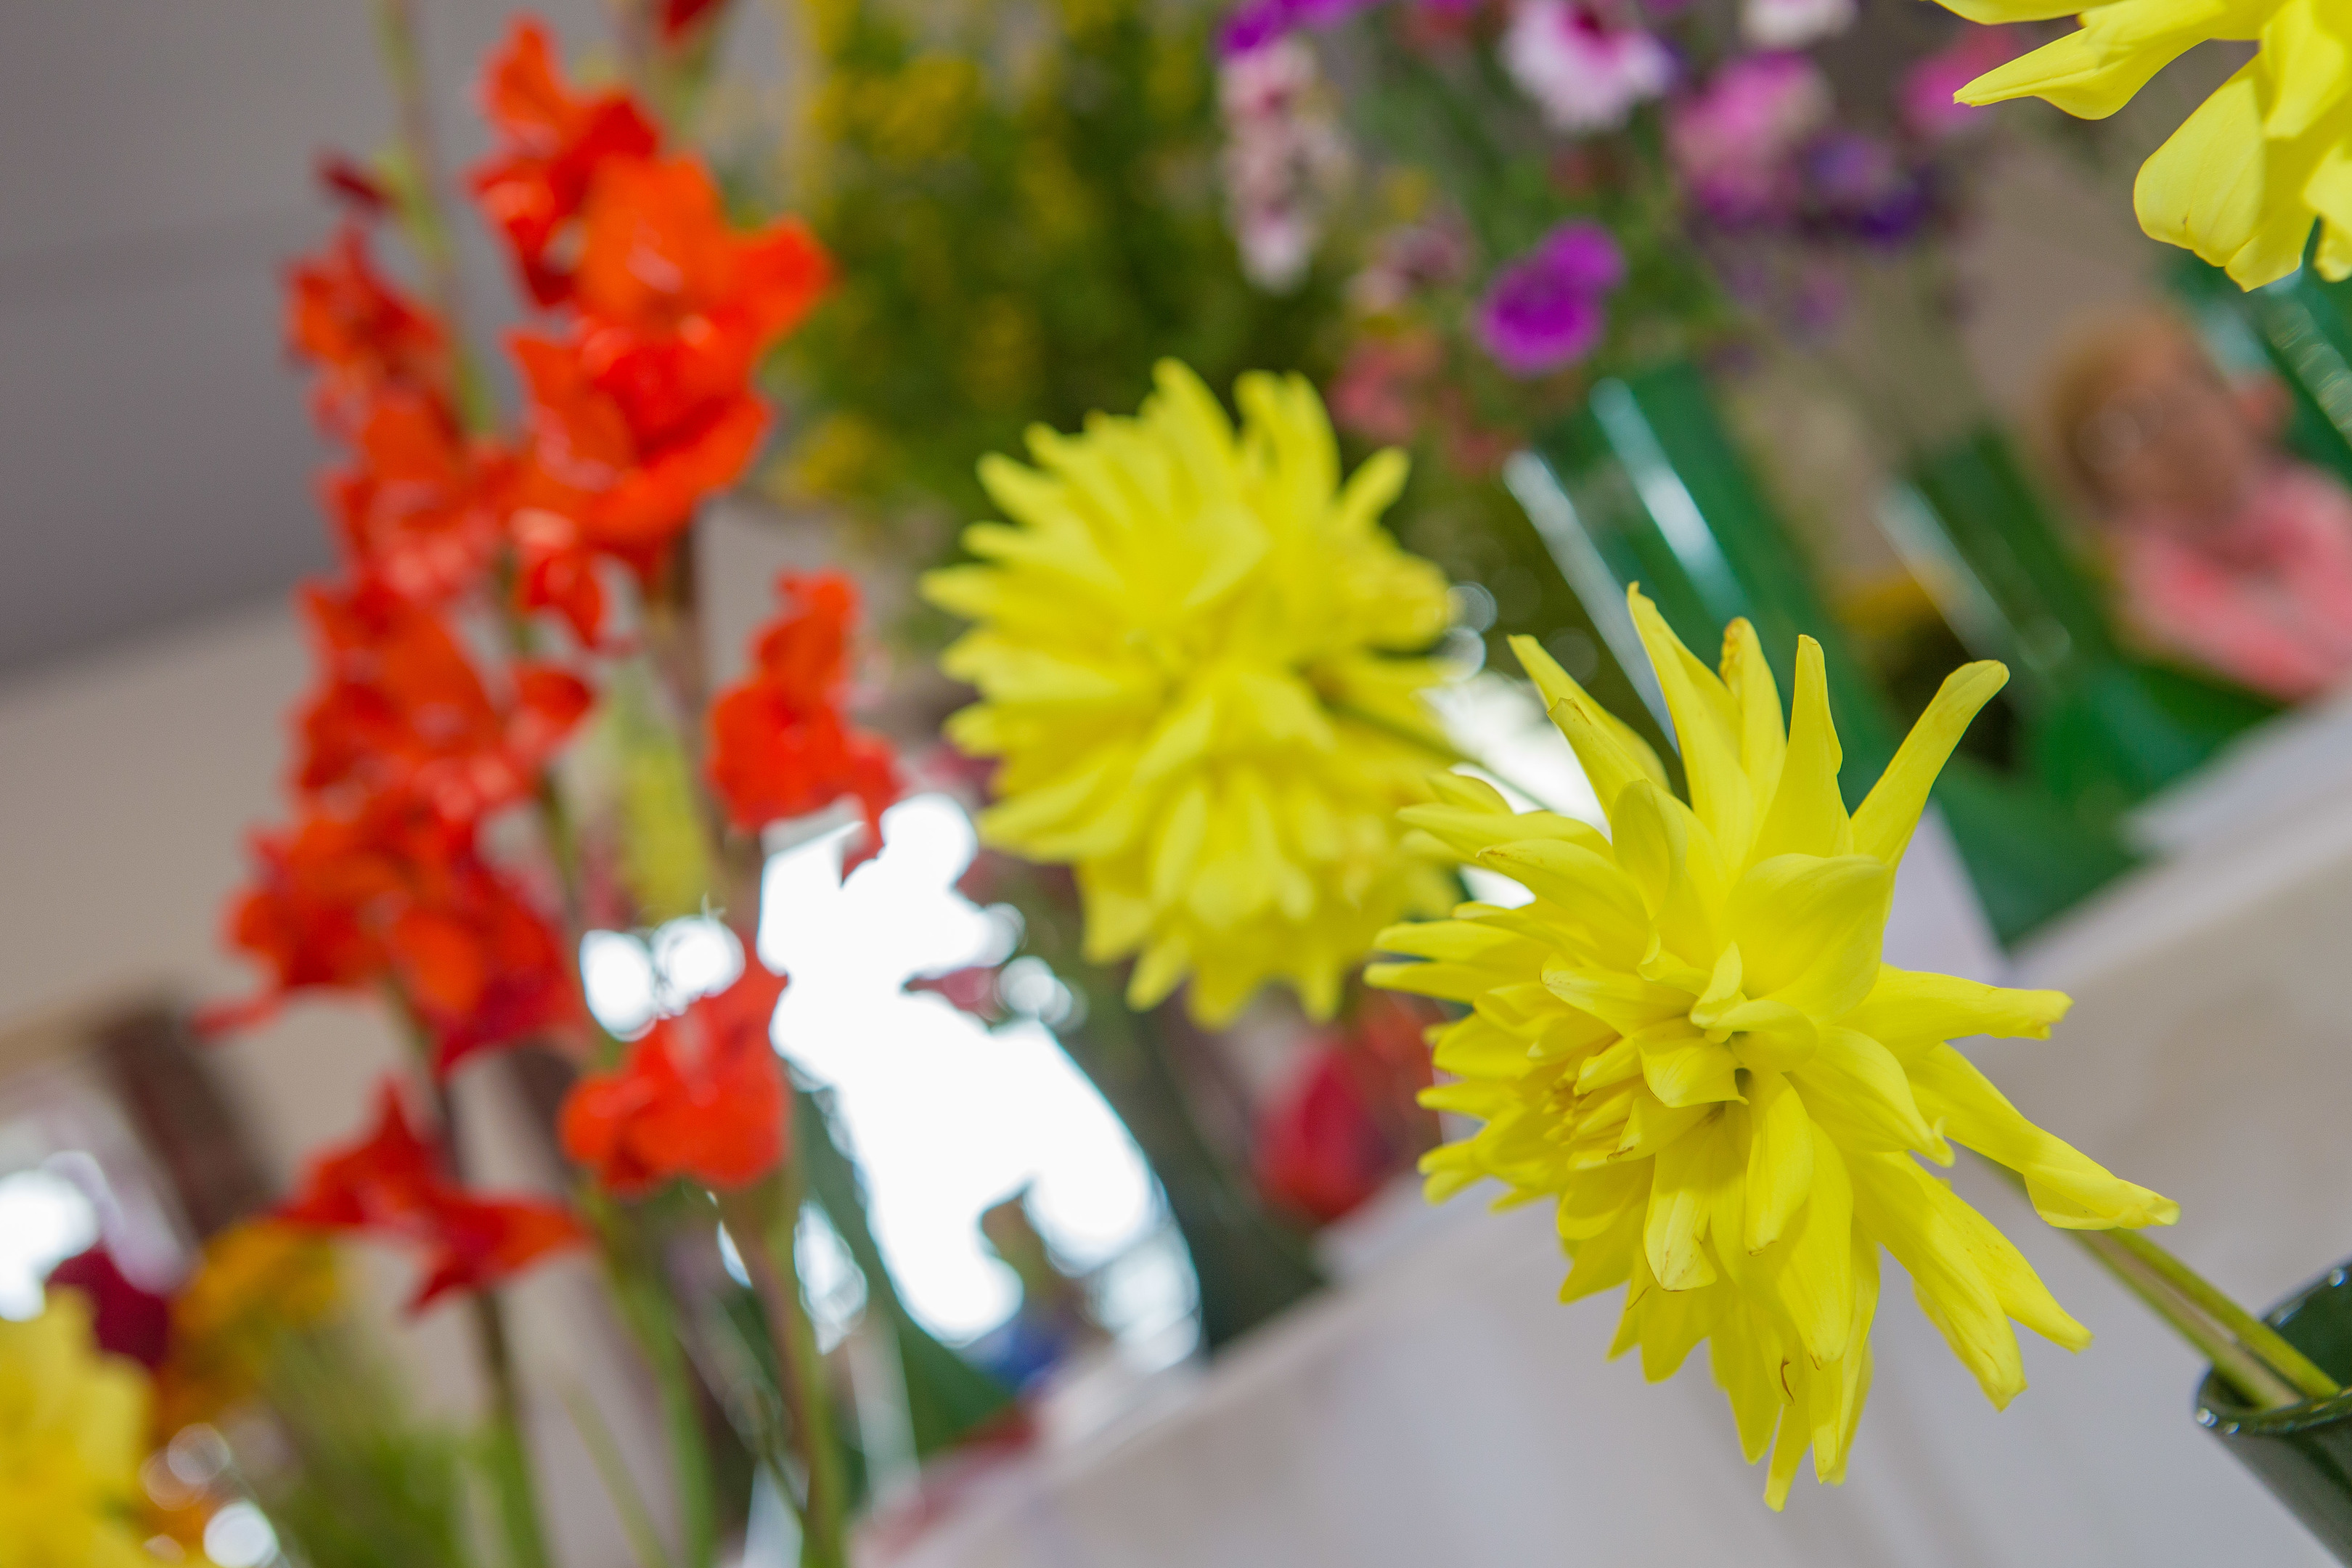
1689,1042
2242,180
73,1430
1196,654
258,1279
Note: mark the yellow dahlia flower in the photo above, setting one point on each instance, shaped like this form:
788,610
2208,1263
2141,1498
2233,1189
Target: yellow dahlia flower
73,1430
2242,180
1195,652
1688,1044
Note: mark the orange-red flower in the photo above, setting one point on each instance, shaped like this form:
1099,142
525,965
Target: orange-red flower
420,505
702,1096
554,141
395,893
366,336
556,570
646,405
779,745
391,1184
403,707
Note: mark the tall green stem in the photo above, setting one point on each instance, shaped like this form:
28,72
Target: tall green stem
764,1226
421,211
646,1305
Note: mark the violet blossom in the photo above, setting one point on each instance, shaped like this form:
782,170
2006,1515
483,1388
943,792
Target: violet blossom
1546,309
1583,75
1285,160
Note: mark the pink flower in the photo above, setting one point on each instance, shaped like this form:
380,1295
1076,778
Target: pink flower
1584,76
1926,95
1734,142
1793,24
1285,161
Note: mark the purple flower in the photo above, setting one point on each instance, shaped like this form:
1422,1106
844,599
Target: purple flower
1254,24
1863,187
1546,310
1584,76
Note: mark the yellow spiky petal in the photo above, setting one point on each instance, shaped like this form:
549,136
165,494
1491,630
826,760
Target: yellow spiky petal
73,1429
1195,646
1688,1042
2242,180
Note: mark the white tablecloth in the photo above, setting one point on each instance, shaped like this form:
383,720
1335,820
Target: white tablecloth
1440,1408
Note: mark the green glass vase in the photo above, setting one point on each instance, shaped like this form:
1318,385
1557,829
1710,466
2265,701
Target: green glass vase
2302,1453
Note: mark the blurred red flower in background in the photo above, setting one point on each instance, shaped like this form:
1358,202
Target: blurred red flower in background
404,708
367,338
779,745
1348,1121
702,1095
395,893
646,405
421,505
390,1183
552,143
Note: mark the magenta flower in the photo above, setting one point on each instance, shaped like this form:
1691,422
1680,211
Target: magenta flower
1926,95
1735,141
1546,309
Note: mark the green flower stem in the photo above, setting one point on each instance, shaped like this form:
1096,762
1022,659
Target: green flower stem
764,1225
420,207
636,1518
2249,1353
507,1449
644,1300
2238,1366
2249,1331
507,1453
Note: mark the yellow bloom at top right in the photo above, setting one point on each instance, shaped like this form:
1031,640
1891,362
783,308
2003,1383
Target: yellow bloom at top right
2269,152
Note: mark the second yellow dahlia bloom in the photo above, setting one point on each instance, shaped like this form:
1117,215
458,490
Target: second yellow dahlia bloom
73,1431
2245,176
1197,652
1687,1043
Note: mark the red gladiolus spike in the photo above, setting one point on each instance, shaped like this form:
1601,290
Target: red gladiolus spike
403,707
419,506
779,745
702,1097
366,336
635,442
394,891
390,1183
553,142
555,570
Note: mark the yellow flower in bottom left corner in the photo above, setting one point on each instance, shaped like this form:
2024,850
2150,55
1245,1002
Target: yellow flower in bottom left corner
73,1430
